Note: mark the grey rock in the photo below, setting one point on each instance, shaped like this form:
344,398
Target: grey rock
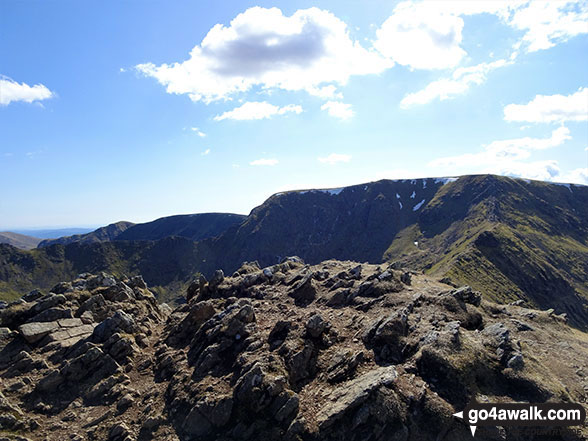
467,295
125,402
32,296
49,301
87,317
119,322
52,314
118,432
217,278
137,282
316,325
33,332
516,362
352,395
305,290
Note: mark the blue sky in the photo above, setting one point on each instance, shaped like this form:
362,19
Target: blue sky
140,109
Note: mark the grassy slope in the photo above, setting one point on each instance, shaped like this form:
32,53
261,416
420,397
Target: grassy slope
516,240
19,240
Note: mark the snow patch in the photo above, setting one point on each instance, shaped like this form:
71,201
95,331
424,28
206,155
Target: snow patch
413,195
400,203
419,205
444,180
568,186
397,196
413,181
424,183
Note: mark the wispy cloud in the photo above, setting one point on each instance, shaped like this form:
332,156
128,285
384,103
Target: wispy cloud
264,162
205,152
508,157
338,109
458,84
198,132
11,91
551,108
255,110
334,158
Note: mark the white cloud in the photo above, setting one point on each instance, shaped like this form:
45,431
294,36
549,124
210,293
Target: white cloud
551,108
549,23
205,152
428,35
198,132
11,91
577,176
539,170
257,110
335,158
264,161
338,109
508,157
457,84
499,154
421,36
261,47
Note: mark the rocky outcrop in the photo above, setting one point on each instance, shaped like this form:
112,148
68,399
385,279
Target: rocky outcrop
335,351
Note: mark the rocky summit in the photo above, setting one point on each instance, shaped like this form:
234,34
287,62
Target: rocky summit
332,351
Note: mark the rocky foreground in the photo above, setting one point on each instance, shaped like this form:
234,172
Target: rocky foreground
335,351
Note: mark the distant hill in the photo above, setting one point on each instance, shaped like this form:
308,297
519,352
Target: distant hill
512,239
103,234
53,233
19,240
190,226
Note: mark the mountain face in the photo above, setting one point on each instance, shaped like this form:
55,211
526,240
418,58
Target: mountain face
19,240
511,239
337,351
190,226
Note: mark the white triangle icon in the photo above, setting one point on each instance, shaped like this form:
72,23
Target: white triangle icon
458,414
473,429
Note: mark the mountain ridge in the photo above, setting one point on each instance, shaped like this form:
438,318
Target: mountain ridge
467,230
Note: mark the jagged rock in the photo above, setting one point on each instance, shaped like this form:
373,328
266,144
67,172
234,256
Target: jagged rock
137,282
48,301
125,402
32,296
467,295
244,361
279,333
406,278
119,322
301,365
52,314
316,325
61,288
119,432
92,304
343,365
348,397
305,290
516,362
217,278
